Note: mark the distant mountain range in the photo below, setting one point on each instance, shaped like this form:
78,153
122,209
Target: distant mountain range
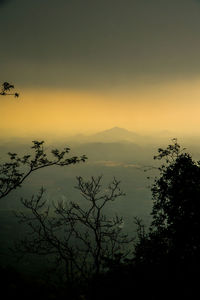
116,134
112,135
121,135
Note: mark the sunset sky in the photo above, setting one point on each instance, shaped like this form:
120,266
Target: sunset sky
83,66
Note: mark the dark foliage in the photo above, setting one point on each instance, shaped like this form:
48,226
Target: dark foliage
17,169
176,208
166,261
170,250
7,87
15,285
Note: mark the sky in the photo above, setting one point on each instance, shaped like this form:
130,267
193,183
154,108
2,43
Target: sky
86,66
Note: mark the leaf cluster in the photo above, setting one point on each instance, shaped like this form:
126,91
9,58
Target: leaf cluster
6,88
17,169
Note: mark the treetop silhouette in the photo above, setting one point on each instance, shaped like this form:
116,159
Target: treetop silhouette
6,88
174,234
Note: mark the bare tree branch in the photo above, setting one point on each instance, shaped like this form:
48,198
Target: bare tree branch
14,172
82,237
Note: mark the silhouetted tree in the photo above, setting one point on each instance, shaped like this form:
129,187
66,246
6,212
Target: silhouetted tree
17,169
169,251
80,236
6,88
176,208
166,262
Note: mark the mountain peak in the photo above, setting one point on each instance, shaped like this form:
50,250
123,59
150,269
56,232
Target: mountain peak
116,128
116,133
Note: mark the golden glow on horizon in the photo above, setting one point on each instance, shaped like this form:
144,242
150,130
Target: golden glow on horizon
174,107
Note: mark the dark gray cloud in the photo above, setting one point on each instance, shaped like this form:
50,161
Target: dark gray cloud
99,43
3,2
